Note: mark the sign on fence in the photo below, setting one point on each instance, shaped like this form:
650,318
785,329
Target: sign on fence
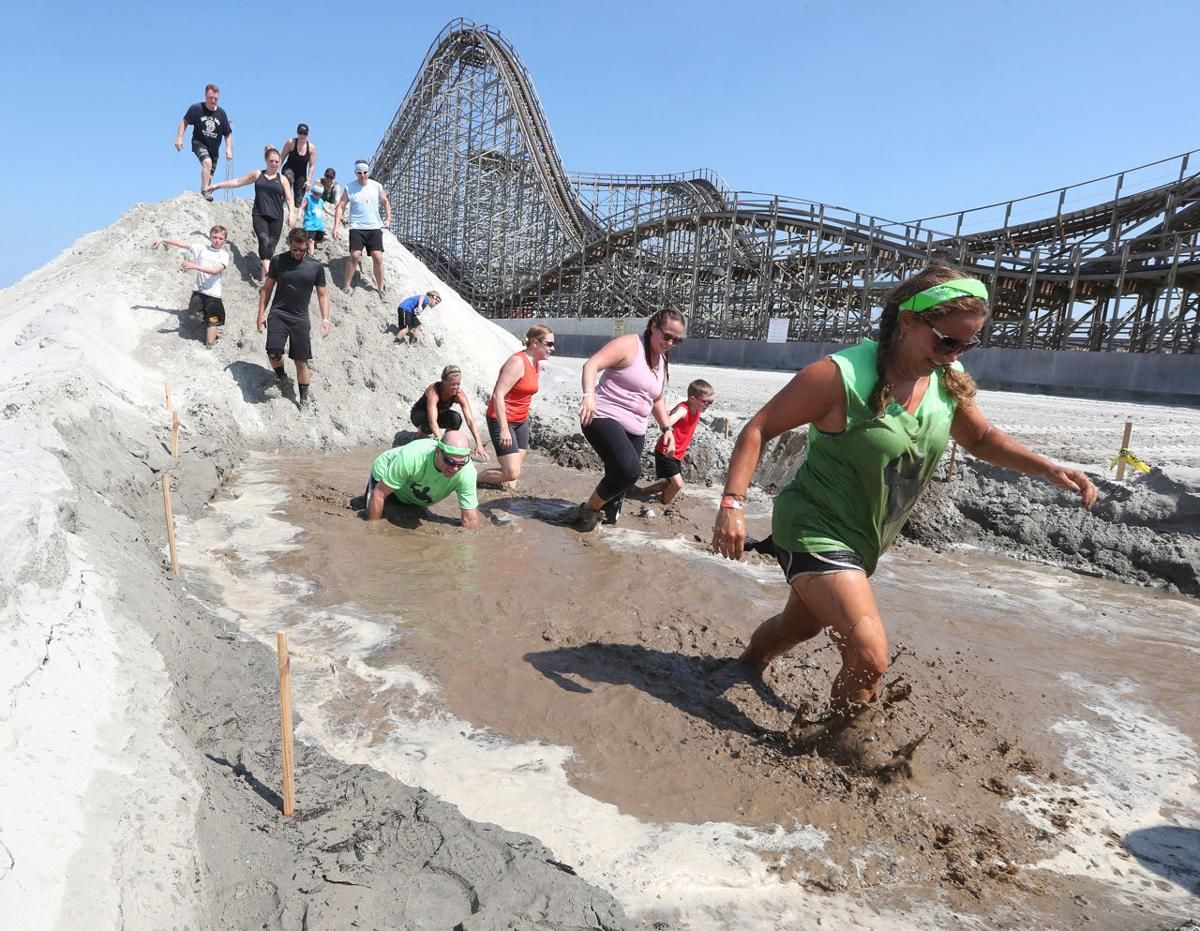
777,330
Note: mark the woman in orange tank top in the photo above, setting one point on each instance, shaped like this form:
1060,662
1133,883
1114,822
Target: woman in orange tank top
508,409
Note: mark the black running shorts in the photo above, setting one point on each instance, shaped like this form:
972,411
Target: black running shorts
288,330
370,241
209,307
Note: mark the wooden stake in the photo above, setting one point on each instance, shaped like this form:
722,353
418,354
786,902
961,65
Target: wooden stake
166,486
285,724
168,392
1124,445
175,434
953,452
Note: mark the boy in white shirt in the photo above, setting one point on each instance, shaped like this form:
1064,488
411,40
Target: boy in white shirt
209,262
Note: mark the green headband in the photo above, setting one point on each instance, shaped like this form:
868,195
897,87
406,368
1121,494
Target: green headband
948,291
453,450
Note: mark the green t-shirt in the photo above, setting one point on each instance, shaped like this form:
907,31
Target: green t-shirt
855,488
409,469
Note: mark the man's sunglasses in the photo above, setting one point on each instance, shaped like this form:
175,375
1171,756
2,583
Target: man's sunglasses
455,463
947,345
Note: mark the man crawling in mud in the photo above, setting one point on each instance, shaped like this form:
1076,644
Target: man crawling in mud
880,416
424,472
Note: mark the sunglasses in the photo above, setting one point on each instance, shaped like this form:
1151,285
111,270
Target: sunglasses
947,345
548,345
668,338
455,463
705,401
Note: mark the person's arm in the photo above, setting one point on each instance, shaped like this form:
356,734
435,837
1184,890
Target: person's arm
178,244
179,135
469,518
287,199
387,207
668,434
431,399
264,299
235,182
978,437
229,143
337,214
189,265
510,374
814,395
465,403
375,503
323,303
312,163
285,151
615,354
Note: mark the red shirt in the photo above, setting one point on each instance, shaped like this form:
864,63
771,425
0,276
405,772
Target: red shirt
683,430
516,402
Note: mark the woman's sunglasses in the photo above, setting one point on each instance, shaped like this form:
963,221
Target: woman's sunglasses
947,345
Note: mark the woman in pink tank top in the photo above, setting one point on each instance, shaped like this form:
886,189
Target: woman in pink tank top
613,412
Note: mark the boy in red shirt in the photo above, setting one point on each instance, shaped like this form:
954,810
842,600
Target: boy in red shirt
682,421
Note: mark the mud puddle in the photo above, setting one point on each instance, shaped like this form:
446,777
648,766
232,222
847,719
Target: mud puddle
590,683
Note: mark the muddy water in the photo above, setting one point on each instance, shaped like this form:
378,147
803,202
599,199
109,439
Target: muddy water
1056,714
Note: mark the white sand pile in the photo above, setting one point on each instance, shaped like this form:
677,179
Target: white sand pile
136,733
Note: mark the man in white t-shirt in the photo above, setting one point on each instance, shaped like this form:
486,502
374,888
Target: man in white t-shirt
364,196
209,261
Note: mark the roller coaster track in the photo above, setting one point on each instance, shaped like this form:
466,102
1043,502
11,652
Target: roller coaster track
480,193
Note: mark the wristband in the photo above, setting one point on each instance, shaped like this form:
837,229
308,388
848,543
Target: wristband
733,494
728,501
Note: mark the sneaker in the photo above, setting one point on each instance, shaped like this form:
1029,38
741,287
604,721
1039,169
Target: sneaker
345,290
611,510
383,293
208,197
583,518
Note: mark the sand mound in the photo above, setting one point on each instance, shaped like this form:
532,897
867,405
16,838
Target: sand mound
138,734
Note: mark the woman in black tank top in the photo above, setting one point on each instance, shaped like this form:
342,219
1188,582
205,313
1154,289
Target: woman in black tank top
272,204
297,165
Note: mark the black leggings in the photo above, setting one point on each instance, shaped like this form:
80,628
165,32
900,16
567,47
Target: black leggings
267,232
621,454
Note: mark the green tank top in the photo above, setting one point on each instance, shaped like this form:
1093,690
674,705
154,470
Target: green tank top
855,488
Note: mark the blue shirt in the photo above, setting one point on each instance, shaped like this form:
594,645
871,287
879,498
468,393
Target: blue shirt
314,212
414,304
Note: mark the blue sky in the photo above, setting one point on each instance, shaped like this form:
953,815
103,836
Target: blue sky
897,109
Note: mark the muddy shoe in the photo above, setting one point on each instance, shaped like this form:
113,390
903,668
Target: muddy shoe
611,511
582,518
857,742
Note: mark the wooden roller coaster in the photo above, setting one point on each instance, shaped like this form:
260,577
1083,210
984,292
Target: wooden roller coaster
480,194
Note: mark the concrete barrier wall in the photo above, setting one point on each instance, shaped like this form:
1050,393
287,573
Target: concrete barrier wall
1116,375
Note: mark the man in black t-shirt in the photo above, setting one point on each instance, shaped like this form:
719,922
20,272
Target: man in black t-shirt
209,126
292,276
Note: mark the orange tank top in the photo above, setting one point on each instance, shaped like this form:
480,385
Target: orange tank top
516,402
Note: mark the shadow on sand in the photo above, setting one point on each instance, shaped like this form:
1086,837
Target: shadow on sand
695,685
1171,852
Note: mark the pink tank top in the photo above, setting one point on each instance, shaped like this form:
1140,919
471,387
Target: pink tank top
626,395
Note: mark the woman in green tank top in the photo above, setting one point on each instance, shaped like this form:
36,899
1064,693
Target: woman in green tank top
880,416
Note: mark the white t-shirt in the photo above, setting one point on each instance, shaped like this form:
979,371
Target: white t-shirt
207,257
364,204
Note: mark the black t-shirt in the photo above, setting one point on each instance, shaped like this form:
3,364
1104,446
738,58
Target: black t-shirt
294,282
208,126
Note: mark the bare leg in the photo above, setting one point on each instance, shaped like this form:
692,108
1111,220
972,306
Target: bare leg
377,262
206,168
303,372
400,334
672,487
210,336
778,634
266,265
412,334
351,267
508,471
845,603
